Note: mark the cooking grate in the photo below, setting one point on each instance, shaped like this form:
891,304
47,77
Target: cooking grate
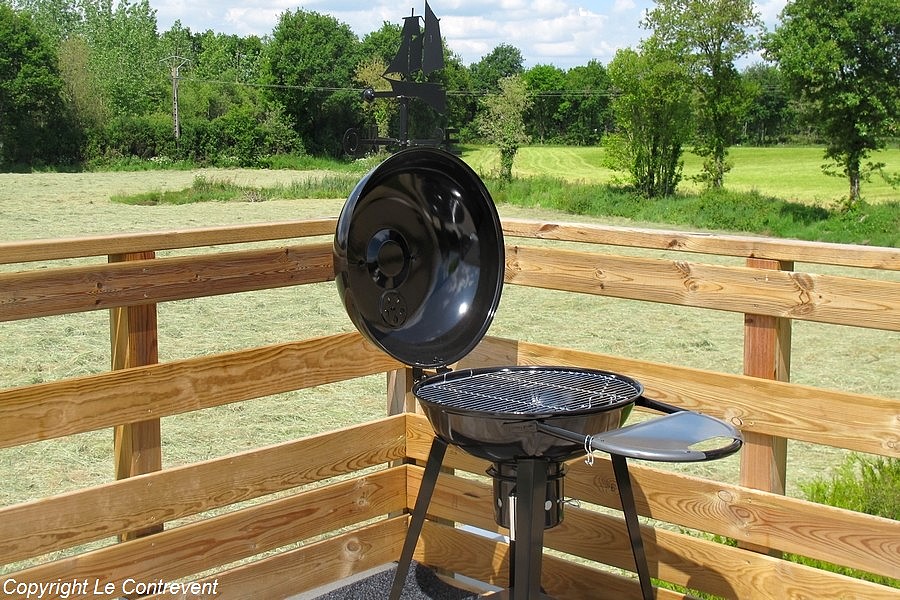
529,391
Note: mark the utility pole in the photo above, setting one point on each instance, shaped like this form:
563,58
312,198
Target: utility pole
175,64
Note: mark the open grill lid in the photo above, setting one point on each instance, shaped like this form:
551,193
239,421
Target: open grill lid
419,258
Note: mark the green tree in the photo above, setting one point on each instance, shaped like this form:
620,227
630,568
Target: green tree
310,60
382,112
216,66
770,112
223,121
179,41
843,58
124,55
503,120
217,56
712,34
585,105
89,109
34,124
653,110
56,19
545,83
377,50
462,105
503,61
381,44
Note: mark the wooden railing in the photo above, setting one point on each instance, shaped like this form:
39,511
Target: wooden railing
233,512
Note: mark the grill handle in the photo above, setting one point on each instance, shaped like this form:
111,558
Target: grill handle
657,405
678,436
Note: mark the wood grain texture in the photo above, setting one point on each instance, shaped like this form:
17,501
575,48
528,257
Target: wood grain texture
216,541
486,560
768,520
674,557
137,447
853,421
767,354
811,297
845,420
67,520
314,565
53,249
851,255
730,245
399,392
37,293
59,408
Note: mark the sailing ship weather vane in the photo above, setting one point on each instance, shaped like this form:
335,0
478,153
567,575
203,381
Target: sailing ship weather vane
421,51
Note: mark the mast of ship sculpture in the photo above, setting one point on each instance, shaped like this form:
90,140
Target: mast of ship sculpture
421,53
421,50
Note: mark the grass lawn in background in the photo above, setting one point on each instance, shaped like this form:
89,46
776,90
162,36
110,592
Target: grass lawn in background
789,173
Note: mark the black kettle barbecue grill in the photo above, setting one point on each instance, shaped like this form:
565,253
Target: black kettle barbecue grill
419,264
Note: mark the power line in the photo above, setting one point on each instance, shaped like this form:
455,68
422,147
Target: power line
312,88
456,93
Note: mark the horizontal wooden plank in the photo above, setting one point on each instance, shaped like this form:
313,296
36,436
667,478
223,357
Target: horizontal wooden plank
311,566
39,293
103,245
843,537
210,543
787,524
49,410
485,560
841,419
810,297
851,255
67,520
681,559
712,567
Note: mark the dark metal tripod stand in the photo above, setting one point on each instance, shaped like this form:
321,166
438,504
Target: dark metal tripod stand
527,530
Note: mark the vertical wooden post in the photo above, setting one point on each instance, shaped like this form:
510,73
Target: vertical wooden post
134,343
399,392
767,354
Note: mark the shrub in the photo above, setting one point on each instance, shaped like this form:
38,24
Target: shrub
143,136
653,116
869,485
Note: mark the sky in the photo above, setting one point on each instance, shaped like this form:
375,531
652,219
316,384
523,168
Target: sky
564,33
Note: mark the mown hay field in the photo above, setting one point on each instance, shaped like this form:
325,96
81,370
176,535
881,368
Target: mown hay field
48,205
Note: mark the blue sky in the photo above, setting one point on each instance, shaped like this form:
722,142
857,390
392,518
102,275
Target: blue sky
564,33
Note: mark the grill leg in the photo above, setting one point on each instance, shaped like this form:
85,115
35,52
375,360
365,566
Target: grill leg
528,537
626,495
429,479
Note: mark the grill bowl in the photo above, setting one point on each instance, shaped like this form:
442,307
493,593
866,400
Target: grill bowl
492,413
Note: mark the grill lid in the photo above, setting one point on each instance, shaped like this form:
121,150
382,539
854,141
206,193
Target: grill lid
418,257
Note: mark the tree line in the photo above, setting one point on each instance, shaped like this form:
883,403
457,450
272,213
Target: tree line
91,81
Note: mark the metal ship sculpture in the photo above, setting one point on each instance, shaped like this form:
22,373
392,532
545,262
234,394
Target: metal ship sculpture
421,51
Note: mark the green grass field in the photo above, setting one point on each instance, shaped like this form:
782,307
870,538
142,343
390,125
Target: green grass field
572,180
789,173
